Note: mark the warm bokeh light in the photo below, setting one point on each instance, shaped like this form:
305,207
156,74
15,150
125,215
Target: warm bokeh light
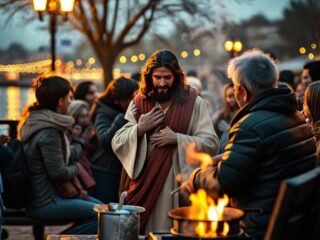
92,60
228,45
142,56
196,52
313,46
311,56
184,54
13,98
116,72
31,67
12,76
122,59
39,5
69,64
58,63
79,62
52,5
134,58
66,5
237,46
302,50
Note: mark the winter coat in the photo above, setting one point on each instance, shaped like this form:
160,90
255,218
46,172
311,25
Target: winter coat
47,150
107,119
269,141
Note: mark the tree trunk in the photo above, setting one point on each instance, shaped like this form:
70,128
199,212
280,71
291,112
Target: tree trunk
107,63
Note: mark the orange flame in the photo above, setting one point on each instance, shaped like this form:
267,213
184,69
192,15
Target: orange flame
204,208
193,157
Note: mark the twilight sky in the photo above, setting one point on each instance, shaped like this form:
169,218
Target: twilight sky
32,38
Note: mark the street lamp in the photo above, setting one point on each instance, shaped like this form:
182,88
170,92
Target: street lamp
53,7
233,47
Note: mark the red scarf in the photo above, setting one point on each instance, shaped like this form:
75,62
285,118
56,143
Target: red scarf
145,190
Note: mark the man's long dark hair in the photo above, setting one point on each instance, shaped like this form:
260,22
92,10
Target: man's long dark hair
167,59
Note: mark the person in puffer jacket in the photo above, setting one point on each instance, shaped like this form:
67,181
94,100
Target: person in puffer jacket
269,141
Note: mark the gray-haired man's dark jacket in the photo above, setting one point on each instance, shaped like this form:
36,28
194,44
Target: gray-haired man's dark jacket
269,141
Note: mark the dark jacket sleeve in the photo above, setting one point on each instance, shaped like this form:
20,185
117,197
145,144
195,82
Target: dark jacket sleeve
240,160
5,153
51,149
106,127
76,150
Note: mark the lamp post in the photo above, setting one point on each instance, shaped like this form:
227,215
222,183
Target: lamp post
233,47
54,8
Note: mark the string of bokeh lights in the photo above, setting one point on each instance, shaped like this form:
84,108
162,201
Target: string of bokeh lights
78,69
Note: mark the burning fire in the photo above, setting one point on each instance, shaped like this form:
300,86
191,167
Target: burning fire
193,157
204,208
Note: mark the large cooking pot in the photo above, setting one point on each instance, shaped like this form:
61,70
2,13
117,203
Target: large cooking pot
184,226
116,224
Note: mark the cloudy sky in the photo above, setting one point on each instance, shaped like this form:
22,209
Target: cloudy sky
30,36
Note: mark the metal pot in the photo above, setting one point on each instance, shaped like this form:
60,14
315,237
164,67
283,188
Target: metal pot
116,224
184,226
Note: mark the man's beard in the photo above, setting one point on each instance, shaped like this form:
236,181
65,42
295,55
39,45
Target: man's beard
162,97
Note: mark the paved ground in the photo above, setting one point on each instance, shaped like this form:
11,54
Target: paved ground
25,233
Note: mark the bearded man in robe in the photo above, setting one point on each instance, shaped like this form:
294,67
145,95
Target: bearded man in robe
163,117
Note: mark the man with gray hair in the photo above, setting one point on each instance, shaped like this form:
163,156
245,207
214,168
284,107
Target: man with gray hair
269,141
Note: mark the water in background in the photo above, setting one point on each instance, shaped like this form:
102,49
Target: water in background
12,102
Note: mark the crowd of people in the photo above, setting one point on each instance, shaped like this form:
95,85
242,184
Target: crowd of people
133,136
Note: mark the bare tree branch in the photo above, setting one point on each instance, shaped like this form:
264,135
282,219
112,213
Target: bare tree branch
115,16
92,18
104,21
15,10
133,21
145,28
85,23
95,20
75,24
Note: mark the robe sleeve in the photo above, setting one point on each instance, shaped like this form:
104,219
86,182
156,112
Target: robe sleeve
201,132
130,150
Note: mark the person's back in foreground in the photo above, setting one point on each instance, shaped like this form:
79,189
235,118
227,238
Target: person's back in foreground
269,141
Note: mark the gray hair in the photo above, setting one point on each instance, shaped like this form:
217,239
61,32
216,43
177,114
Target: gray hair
255,70
75,108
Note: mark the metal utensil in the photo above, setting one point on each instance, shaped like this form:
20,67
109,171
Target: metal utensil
183,185
117,225
121,201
